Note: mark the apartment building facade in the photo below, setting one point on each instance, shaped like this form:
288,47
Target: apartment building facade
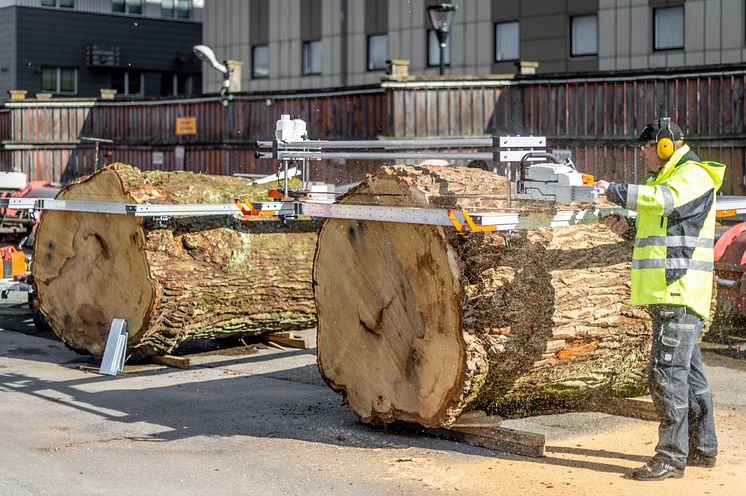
74,48
289,45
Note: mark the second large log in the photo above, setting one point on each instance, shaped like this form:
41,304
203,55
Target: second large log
419,323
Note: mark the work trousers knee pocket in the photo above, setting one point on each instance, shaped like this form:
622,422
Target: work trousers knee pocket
677,341
672,351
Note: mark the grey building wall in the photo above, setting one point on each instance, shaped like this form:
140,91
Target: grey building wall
714,34
545,33
8,53
227,30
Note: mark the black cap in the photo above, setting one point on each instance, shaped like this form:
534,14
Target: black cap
652,130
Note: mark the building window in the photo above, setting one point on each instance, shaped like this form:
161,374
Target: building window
59,80
127,6
64,4
184,84
311,57
180,9
378,52
507,41
433,50
584,35
668,27
128,83
260,62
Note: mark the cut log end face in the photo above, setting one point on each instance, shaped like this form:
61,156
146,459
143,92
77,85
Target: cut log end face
389,328
388,305
90,268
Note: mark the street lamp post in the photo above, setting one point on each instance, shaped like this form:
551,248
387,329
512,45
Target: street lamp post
205,53
441,17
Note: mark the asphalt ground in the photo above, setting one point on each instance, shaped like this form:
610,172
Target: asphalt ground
257,420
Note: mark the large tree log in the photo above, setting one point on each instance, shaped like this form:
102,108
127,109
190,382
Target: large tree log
418,323
190,279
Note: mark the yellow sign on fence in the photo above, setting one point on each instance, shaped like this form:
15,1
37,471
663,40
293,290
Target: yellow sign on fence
186,125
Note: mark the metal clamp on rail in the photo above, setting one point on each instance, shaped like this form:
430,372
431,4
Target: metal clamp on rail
473,227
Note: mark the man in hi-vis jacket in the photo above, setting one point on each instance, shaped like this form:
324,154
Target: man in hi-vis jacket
672,275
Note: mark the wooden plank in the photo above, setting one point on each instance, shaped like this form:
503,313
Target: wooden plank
471,414
410,113
455,118
637,408
503,439
442,117
431,126
171,361
486,432
289,339
398,114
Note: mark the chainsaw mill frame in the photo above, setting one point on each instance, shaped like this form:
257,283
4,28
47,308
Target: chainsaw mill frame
509,151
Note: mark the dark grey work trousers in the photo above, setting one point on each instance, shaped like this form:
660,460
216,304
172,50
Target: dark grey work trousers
680,391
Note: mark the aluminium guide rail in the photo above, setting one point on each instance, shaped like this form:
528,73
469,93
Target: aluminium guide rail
499,220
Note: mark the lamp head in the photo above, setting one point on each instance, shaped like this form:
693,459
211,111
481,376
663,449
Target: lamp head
205,53
441,17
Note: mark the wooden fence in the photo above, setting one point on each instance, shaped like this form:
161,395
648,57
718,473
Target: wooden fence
592,117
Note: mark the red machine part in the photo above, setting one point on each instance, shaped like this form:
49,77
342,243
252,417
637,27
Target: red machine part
730,270
16,225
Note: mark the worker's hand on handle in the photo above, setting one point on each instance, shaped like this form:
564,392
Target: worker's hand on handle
616,223
602,185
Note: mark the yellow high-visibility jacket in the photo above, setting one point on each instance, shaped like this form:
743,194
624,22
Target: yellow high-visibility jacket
672,261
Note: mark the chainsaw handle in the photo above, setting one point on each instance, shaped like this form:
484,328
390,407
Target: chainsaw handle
522,166
548,155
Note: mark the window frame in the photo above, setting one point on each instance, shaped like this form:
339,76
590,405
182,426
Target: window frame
57,4
127,73
174,10
254,74
58,80
572,36
656,10
496,25
430,63
369,67
304,50
127,4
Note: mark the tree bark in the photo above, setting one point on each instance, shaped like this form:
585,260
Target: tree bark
419,323
189,279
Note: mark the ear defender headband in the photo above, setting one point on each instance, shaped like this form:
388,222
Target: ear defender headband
664,145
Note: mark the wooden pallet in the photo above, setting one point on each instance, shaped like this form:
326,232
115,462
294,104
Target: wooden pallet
478,429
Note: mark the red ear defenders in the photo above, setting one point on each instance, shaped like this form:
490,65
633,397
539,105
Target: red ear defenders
664,144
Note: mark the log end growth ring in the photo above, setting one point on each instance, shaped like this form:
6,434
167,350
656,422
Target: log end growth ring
388,306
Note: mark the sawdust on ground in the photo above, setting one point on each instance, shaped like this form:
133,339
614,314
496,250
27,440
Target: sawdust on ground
596,464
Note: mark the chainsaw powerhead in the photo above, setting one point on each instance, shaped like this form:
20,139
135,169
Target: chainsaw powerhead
559,183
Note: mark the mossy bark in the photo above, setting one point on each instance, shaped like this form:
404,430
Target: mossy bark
190,278
420,323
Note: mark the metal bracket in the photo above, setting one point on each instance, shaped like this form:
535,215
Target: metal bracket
159,222
116,346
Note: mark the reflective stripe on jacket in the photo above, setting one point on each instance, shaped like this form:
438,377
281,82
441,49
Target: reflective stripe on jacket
673,260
